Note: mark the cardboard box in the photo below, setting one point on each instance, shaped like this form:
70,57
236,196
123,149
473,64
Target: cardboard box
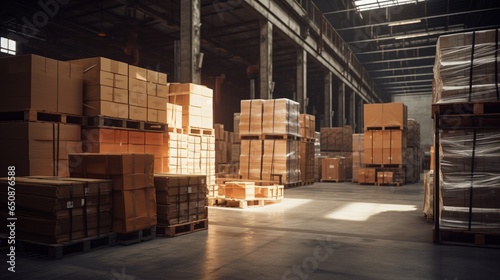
103,64
152,76
162,90
138,113
69,88
250,118
138,99
134,210
120,81
151,88
174,115
395,114
106,108
280,117
240,190
155,102
137,73
373,114
137,85
333,169
29,81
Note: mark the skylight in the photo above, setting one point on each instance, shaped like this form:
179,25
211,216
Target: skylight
7,46
365,5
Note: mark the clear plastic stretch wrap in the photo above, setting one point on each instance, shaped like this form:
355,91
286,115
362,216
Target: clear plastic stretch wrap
280,116
470,179
467,67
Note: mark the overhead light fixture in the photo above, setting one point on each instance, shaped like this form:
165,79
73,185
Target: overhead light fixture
404,22
409,36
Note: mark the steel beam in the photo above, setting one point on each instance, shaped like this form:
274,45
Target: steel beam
190,42
302,79
266,59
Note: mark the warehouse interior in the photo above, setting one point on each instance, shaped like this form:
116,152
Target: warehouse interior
331,59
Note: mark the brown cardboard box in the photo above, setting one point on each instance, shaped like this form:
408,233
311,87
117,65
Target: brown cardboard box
151,88
162,90
373,115
134,209
103,64
29,81
155,102
251,159
251,117
152,76
106,108
333,169
137,73
138,113
395,114
69,88
378,145
240,190
137,85
138,99
162,78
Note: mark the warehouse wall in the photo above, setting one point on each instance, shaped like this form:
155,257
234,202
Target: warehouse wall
419,108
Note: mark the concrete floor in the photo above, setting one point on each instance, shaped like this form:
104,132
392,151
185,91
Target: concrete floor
322,231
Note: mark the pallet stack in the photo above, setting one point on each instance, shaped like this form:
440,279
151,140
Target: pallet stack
226,167
181,204
385,142
40,114
307,148
336,142
317,155
134,198
269,131
60,209
465,109
413,155
357,155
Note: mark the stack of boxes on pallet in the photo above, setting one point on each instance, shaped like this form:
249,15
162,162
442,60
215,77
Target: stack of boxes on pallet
181,203
466,101
40,112
357,155
317,155
134,197
336,153
244,194
124,111
307,148
60,209
269,131
385,140
226,167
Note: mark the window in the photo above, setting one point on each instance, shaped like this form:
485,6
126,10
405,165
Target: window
365,5
7,46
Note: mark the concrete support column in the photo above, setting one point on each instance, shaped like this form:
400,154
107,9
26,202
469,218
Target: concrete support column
266,59
352,105
328,98
302,79
190,42
361,115
341,105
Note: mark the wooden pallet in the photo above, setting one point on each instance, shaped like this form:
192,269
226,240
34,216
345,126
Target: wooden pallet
308,140
394,184
308,182
292,185
334,180
467,108
252,137
384,165
65,249
470,238
394,127
281,137
175,130
136,236
199,131
111,122
41,116
181,229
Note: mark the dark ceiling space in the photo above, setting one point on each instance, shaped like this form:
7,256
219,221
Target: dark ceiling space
400,58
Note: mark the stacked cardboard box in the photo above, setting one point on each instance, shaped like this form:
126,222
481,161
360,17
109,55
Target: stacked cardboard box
307,148
251,159
225,153
157,90
134,198
175,153
207,162
367,175
465,71
317,155
250,118
197,104
279,153
174,116
385,140
228,170
337,142
180,198
105,90
38,148
35,85
54,210
240,190
357,154
333,169
464,68
36,82
108,140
